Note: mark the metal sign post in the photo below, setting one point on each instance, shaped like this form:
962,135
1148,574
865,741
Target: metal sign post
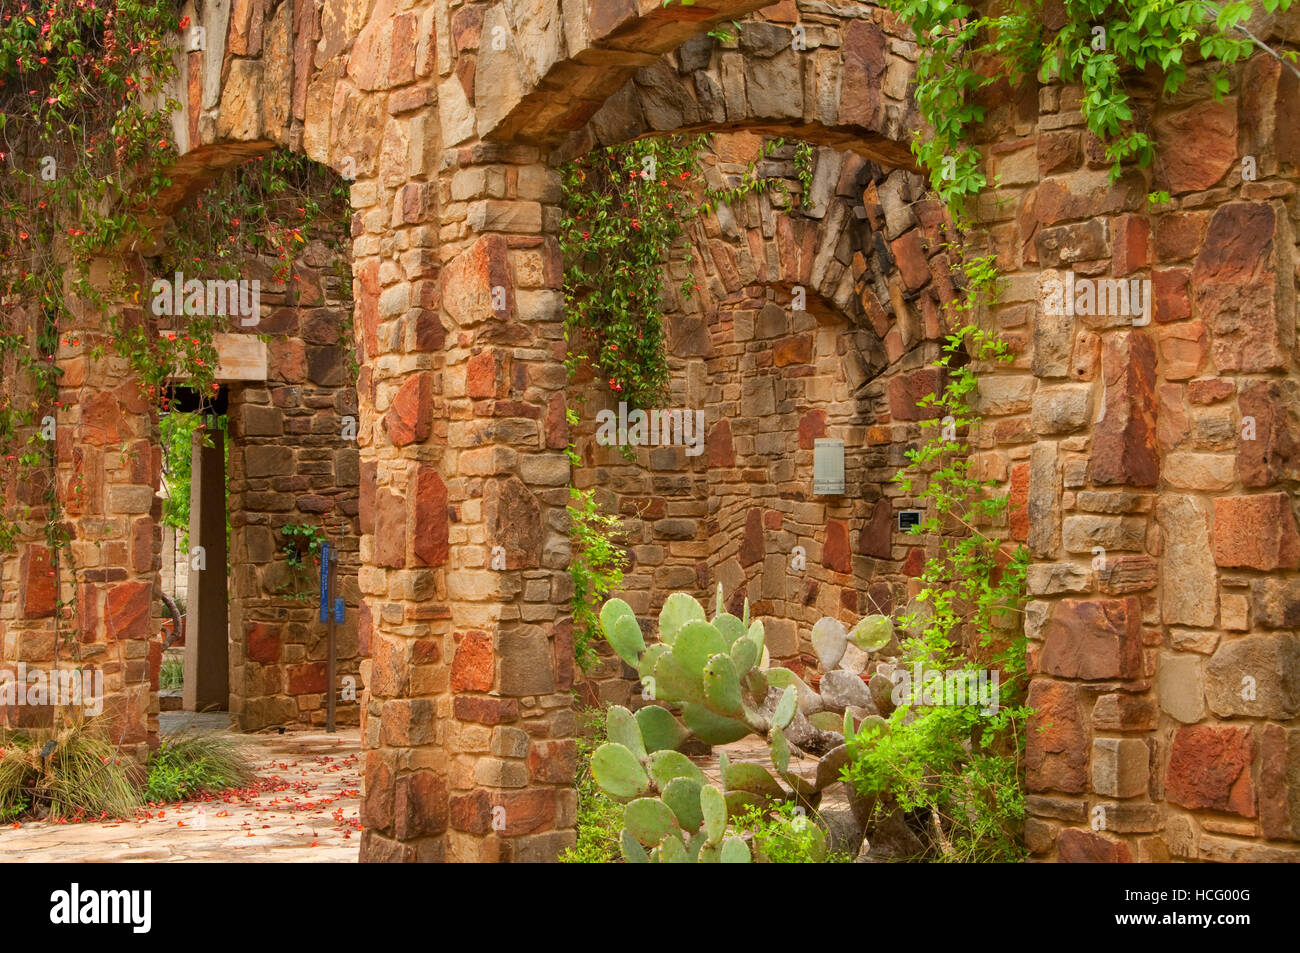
328,583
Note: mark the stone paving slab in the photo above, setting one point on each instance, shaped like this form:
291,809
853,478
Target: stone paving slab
307,812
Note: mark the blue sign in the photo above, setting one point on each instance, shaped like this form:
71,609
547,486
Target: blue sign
338,609
324,582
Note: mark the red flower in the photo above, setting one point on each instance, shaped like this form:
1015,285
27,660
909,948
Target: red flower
185,22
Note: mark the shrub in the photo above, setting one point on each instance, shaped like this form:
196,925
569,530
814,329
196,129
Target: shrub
189,764
786,835
73,774
599,819
172,674
958,767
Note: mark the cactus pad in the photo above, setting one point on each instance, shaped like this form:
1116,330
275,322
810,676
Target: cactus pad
679,608
619,773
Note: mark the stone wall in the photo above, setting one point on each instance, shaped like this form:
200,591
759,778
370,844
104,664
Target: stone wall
88,605
293,459
770,381
1157,465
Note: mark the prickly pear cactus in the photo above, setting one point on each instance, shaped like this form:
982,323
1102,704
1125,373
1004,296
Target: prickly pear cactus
710,679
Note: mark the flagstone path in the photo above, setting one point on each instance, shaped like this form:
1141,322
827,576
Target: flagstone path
304,808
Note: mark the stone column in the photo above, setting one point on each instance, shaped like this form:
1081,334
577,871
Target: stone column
464,483
207,637
512,657
89,604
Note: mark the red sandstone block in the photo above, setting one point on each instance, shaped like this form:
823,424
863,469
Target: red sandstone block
127,610
1093,639
420,805
410,418
484,710
1256,532
377,806
553,762
1132,244
307,678
36,582
1084,847
1209,767
473,667
262,642
811,426
431,523
1056,742
836,553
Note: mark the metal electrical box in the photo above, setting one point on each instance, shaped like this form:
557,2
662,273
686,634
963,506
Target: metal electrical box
828,467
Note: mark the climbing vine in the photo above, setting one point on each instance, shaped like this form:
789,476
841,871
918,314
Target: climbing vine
1100,45
83,130
85,141
959,763
625,208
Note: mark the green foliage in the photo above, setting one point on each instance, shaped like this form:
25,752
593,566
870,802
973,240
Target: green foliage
172,673
965,50
959,764
625,208
785,834
189,763
302,542
176,431
803,167
86,130
722,34
78,774
596,568
600,820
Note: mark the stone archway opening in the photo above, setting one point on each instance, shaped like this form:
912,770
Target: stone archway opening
275,471
807,326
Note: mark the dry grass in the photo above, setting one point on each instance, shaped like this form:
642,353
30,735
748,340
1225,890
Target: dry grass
74,772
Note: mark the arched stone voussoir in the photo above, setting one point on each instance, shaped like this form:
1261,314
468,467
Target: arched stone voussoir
563,58
195,170
835,83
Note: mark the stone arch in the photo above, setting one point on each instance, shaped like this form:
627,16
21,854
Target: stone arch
771,381
289,460
844,89
468,728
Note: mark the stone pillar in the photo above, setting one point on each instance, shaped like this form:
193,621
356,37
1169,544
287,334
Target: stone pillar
464,483
207,626
89,603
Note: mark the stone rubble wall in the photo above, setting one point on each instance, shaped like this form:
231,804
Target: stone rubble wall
93,608
1164,676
